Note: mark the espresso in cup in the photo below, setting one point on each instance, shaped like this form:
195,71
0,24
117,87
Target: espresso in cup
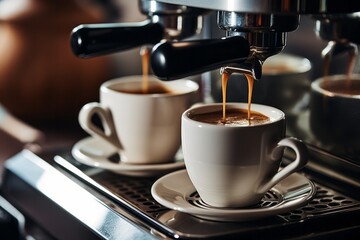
152,88
345,86
233,117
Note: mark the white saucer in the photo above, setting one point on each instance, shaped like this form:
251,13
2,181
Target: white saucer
175,191
95,152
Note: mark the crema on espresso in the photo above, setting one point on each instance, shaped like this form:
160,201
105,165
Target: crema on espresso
234,117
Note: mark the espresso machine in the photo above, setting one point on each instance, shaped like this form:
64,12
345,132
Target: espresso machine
164,22
71,200
265,27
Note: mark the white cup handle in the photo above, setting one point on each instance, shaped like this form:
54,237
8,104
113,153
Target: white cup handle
299,162
85,119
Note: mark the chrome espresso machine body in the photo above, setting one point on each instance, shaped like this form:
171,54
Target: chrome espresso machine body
91,203
265,27
164,21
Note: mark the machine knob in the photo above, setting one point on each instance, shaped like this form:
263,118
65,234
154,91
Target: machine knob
173,60
90,40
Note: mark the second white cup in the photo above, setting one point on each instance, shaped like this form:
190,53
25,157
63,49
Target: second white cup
144,127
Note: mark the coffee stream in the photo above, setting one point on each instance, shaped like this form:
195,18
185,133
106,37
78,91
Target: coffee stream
351,66
145,60
224,79
250,80
146,87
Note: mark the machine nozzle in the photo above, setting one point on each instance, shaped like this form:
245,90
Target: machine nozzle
252,66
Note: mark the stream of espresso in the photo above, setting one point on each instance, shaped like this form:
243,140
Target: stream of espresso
350,68
250,80
145,60
224,79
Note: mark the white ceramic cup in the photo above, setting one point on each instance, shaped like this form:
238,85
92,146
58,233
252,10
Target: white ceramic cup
234,166
144,127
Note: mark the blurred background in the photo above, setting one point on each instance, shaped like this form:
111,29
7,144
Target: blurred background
41,81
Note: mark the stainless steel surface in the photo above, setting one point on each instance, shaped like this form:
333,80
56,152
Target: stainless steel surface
328,205
235,21
14,224
62,207
271,6
252,66
341,30
338,27
266,33
266,24
179,21
152,7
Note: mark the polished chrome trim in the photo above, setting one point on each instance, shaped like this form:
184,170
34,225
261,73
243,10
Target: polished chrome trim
83,207
270,6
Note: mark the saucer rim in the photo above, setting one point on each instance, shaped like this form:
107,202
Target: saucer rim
117,167
223,214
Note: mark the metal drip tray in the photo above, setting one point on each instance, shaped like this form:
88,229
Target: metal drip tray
91,203
137,192
326,201
328,210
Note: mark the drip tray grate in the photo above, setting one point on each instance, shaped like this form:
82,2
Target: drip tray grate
134,195
136,191
325,201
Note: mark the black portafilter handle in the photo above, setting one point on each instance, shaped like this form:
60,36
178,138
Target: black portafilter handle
90,40
174,60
